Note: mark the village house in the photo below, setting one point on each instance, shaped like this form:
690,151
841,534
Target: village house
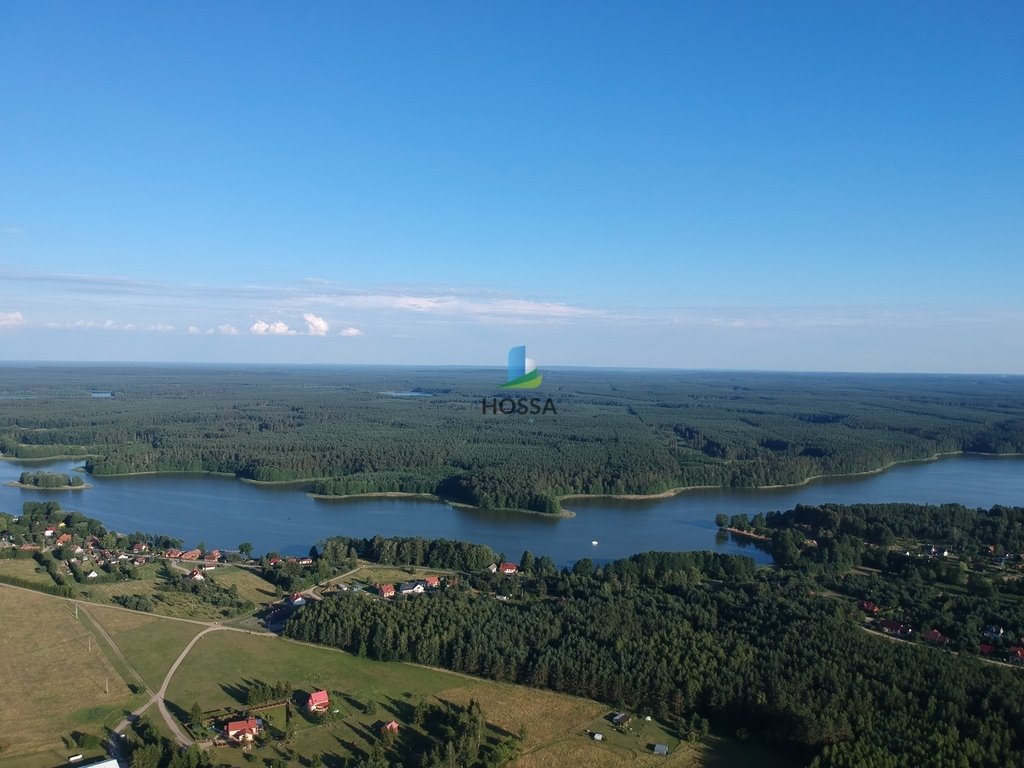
433,582
386,590
50,530
390,726
274,561
196,575
139,547
306,561
63,539
319,701
620,719
296,599
935,637
868,607
192,554
508,568
993,632
212,556
1015,654
172,553
244,730
660,749
985,649
895,628
139,561
411,588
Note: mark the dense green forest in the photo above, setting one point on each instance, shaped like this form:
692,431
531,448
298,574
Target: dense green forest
50,480
686,636
343,431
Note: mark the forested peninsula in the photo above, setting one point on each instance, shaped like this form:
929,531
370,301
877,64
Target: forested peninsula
344,431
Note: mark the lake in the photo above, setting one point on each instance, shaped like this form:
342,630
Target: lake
223,511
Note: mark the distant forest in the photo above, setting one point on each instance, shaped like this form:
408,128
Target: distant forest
615,432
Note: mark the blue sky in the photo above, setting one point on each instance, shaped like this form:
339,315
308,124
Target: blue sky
805,186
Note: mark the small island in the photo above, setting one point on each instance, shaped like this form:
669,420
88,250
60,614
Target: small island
49,481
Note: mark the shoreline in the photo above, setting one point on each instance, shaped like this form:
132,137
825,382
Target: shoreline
24,487
565,513
813,478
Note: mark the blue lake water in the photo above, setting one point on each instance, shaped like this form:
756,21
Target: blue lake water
223,511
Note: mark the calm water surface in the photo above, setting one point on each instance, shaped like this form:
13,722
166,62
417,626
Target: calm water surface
223,512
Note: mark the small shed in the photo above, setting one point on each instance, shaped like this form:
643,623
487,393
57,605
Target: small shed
598,737
660,749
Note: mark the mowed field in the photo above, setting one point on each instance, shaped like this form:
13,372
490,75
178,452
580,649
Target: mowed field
25,568
250,585
53,684
150,643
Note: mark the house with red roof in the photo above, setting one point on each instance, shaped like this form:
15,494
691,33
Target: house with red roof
985,649
243,730
63,539
319,701
935,637
212,556
508,568
868,607
386,590
432,581
1016,654
192,554
389,727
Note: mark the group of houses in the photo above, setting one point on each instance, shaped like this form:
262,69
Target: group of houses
505,569
993,634
417,587
246,730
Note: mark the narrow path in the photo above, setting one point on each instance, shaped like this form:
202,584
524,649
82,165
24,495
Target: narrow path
182,737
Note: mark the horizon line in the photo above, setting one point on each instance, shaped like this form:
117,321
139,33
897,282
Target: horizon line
490,367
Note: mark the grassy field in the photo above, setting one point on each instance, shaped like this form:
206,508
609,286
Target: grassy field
150,643
170,603
250,585
223,665
382,574
53,684
25,568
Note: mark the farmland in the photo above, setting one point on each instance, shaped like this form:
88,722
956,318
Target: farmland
55,681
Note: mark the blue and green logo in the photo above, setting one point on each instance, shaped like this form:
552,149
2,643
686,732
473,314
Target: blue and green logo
522,371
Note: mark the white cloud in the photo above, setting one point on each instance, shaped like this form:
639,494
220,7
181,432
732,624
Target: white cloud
194,330
92,325
227,330
11,320
350,331
261,328
160,327
316,326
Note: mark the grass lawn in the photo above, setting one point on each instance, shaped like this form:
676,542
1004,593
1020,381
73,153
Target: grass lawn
166,603
151,644
382,574
250,585
53,684
26,568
